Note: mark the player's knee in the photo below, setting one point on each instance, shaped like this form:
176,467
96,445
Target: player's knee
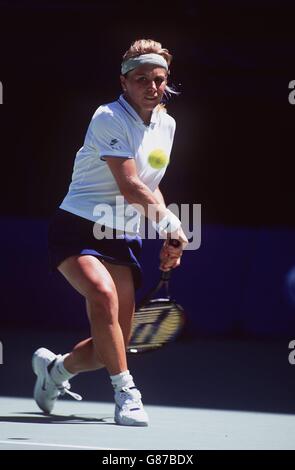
104,303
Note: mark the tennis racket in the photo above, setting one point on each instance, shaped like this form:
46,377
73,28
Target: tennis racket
156,321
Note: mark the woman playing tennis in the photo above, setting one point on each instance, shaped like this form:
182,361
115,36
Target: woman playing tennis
113,171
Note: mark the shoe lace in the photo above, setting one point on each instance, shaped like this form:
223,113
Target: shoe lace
130,397
64,388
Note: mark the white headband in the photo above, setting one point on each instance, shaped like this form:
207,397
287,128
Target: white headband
133,62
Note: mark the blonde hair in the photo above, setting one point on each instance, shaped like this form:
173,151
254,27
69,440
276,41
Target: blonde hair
148,46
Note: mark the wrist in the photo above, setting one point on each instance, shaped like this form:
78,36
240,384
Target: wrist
168,224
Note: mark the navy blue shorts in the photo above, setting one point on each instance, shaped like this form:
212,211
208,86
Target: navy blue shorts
71,235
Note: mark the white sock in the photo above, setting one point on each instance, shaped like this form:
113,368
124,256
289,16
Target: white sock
58,372
124,379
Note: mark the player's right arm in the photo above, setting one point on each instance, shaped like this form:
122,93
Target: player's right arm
134,190
159,196
150,204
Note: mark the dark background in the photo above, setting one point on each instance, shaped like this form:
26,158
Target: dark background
233,149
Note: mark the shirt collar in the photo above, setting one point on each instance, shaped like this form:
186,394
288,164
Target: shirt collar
131,111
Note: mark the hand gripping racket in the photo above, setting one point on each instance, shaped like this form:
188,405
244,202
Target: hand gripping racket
156,321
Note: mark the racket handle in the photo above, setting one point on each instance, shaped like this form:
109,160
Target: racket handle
165,275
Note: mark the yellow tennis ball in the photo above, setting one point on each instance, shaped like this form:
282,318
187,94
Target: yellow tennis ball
158,159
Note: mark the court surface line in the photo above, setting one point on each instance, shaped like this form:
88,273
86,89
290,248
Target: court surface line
14,443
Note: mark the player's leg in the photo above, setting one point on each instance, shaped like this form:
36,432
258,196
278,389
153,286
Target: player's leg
123,279
84,356
129,408
91,279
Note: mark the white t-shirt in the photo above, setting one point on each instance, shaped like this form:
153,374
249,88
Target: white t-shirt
116,130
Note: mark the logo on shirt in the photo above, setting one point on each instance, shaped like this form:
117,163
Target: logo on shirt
113,144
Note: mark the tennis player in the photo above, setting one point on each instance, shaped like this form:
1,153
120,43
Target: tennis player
116,168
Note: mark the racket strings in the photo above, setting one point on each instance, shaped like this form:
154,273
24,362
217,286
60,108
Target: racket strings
156,324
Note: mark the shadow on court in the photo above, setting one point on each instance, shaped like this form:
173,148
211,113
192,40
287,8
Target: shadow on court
214,374
40,418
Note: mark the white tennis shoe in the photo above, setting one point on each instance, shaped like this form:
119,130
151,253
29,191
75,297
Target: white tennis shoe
46,391
129,408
